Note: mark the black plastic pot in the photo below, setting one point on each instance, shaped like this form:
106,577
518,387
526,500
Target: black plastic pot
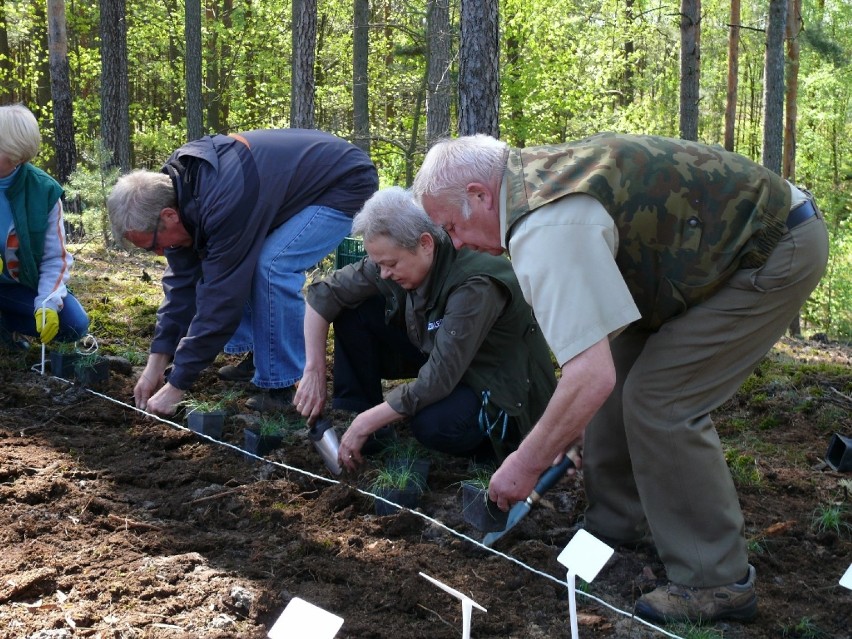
260,445
479,511
419,468
91,373
408,497
63,364
207,423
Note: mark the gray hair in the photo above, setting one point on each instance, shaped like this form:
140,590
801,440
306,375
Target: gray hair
393,213
136,201
20,137
452,164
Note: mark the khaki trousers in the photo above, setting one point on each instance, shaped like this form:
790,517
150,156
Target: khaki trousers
653,460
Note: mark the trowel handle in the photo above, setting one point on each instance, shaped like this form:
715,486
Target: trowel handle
316,430
550,478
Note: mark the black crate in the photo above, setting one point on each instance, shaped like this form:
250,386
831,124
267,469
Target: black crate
350,250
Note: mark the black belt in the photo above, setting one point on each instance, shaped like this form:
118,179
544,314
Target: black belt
804,211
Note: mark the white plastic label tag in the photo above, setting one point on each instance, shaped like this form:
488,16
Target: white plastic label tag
585,555
846,579
303,620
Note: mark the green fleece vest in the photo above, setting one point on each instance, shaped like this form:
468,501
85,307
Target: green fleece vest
688,215
517,382
32,195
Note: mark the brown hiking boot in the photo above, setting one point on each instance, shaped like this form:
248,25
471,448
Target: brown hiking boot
242,372
673,602
272,400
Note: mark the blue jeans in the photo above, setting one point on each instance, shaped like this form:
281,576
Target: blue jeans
273,318
18,313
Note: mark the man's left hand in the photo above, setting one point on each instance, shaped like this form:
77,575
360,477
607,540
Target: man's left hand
47,324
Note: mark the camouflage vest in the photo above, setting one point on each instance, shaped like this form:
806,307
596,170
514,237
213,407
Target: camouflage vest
688,215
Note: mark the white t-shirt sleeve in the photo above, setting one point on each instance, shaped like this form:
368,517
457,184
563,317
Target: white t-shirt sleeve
564,257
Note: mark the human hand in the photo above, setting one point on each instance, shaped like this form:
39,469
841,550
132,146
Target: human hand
165,401
310,395
353,440
146,385
512,482
47,323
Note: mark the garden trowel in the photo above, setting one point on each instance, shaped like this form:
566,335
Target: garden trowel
547,481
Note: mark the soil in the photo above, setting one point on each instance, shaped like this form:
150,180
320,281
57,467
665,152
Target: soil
116,525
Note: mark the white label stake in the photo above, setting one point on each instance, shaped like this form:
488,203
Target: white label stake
846,579
467,604
584,555
303,620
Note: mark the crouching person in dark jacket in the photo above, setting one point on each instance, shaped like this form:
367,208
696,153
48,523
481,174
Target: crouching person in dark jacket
240,219
454,321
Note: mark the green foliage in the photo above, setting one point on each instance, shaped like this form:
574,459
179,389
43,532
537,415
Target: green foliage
279,426
695,631
401,477
831,518
806,628
211,404
744,468
89,186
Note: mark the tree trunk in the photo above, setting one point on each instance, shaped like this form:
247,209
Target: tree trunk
115,101
438,40
302,81
733,72
60,89
360,74
773,86
192,64
479,68
690,66
794,27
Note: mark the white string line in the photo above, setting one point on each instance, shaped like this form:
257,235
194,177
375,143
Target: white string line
367,493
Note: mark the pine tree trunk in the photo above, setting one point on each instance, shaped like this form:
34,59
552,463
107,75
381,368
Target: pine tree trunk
60,89
690,66
479,69
733,72
302,80
774,86
438,94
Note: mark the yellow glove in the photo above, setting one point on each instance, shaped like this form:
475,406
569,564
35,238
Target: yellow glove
47,324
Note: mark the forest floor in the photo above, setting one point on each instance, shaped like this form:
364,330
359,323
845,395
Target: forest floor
115,524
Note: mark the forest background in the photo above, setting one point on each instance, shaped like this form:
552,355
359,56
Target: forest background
119,84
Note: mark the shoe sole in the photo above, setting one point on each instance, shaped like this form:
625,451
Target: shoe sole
741,614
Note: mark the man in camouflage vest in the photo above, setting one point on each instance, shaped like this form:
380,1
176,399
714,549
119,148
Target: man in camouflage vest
661,271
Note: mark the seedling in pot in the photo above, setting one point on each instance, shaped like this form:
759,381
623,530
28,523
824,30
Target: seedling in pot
207,417
397,485
477,509
269,433
92,368
406,453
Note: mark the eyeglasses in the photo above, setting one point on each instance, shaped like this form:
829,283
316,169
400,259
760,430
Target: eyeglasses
153,246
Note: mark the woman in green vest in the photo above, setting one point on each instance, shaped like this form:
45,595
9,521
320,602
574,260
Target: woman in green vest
452,323
34,262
